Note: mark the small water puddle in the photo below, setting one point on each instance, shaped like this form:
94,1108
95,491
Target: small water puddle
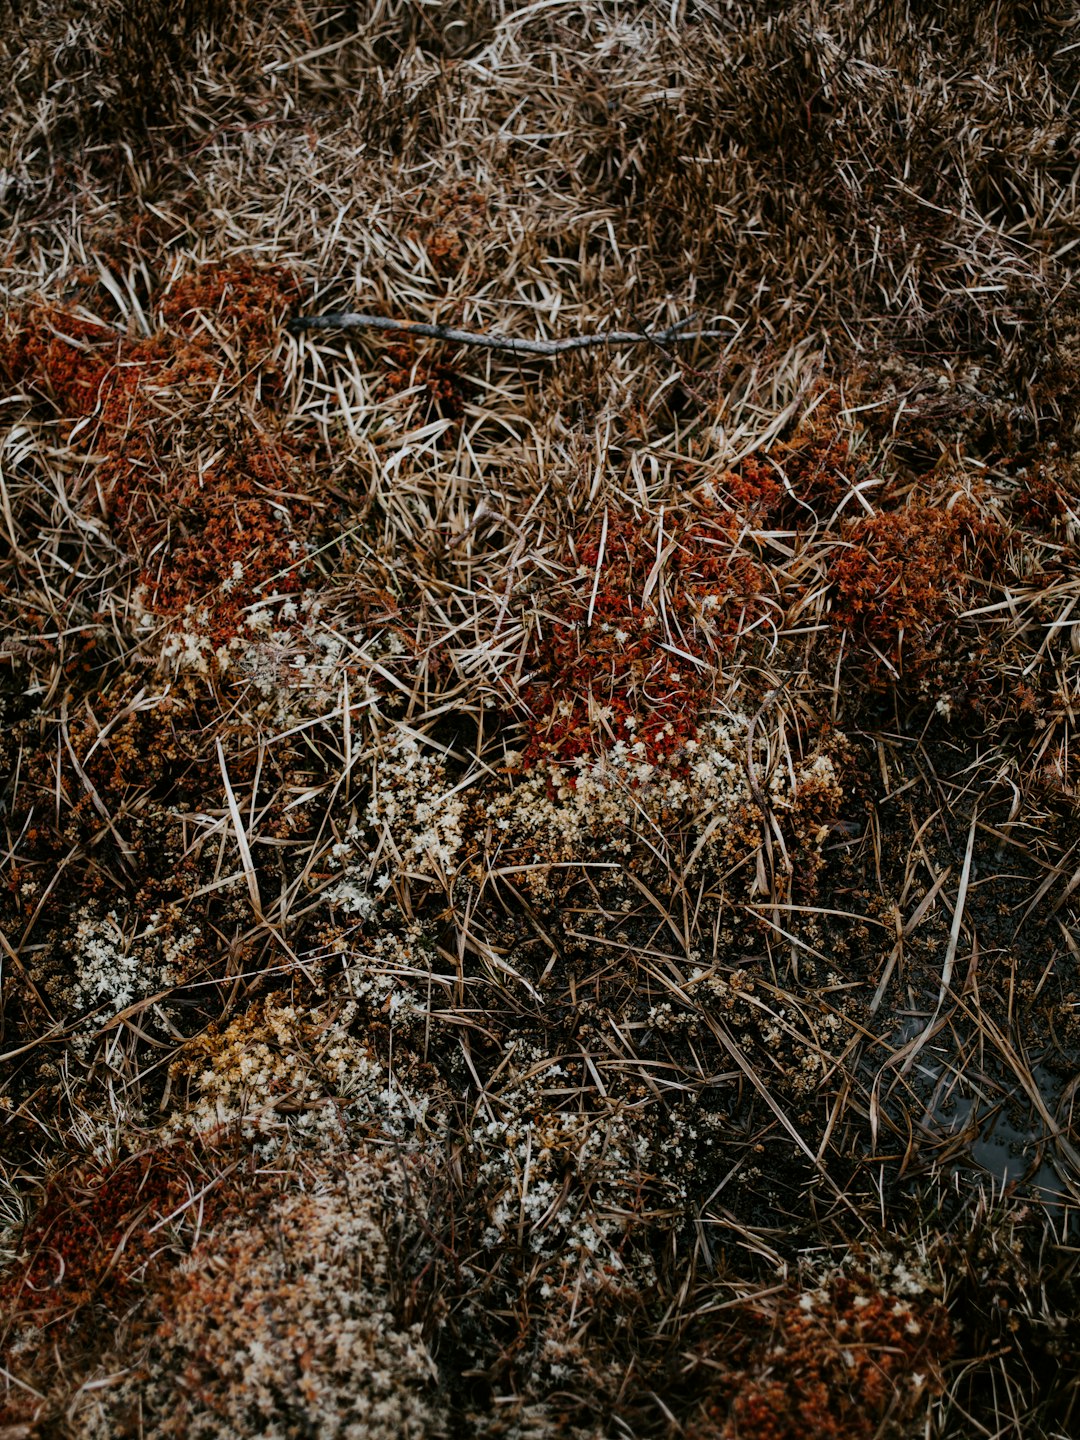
1009,1139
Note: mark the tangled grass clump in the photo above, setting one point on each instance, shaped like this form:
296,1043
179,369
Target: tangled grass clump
539,894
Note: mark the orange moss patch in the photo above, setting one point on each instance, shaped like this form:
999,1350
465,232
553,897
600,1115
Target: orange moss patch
442,387
850,1363
93,1236
215,534
62,357
629,647
238,538
901,576
245,303
1047,497
803,477
448,223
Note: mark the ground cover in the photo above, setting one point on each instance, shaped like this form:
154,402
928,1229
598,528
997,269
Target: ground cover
539,894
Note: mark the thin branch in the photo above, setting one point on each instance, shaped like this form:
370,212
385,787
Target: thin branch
347,320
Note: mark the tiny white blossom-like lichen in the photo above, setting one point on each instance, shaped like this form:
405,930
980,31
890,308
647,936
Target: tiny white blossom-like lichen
613,795
281,1070
114,967
281,1322
415,806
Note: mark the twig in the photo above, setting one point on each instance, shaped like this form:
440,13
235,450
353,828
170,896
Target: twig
347,320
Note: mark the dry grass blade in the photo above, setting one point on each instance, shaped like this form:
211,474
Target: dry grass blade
241,836
950,950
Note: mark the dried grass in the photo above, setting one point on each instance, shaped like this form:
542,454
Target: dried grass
561,870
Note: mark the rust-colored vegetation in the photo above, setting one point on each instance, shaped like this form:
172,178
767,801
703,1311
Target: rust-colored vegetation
901,577
848,1362
94,1237
801,481
216,530
628,648
441,387
450,225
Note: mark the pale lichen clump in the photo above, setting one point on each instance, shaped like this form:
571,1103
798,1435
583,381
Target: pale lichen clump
284,1321
413,826
715,788
292,659
389,974
565,808
285,652
417,812
117,963
282,1073
560,1183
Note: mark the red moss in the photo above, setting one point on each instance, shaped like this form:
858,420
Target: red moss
856,1364
587,679
755,489
248,302
900,577
62,357
90,1236
443,388
235,541
447,223
803,477
202,529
